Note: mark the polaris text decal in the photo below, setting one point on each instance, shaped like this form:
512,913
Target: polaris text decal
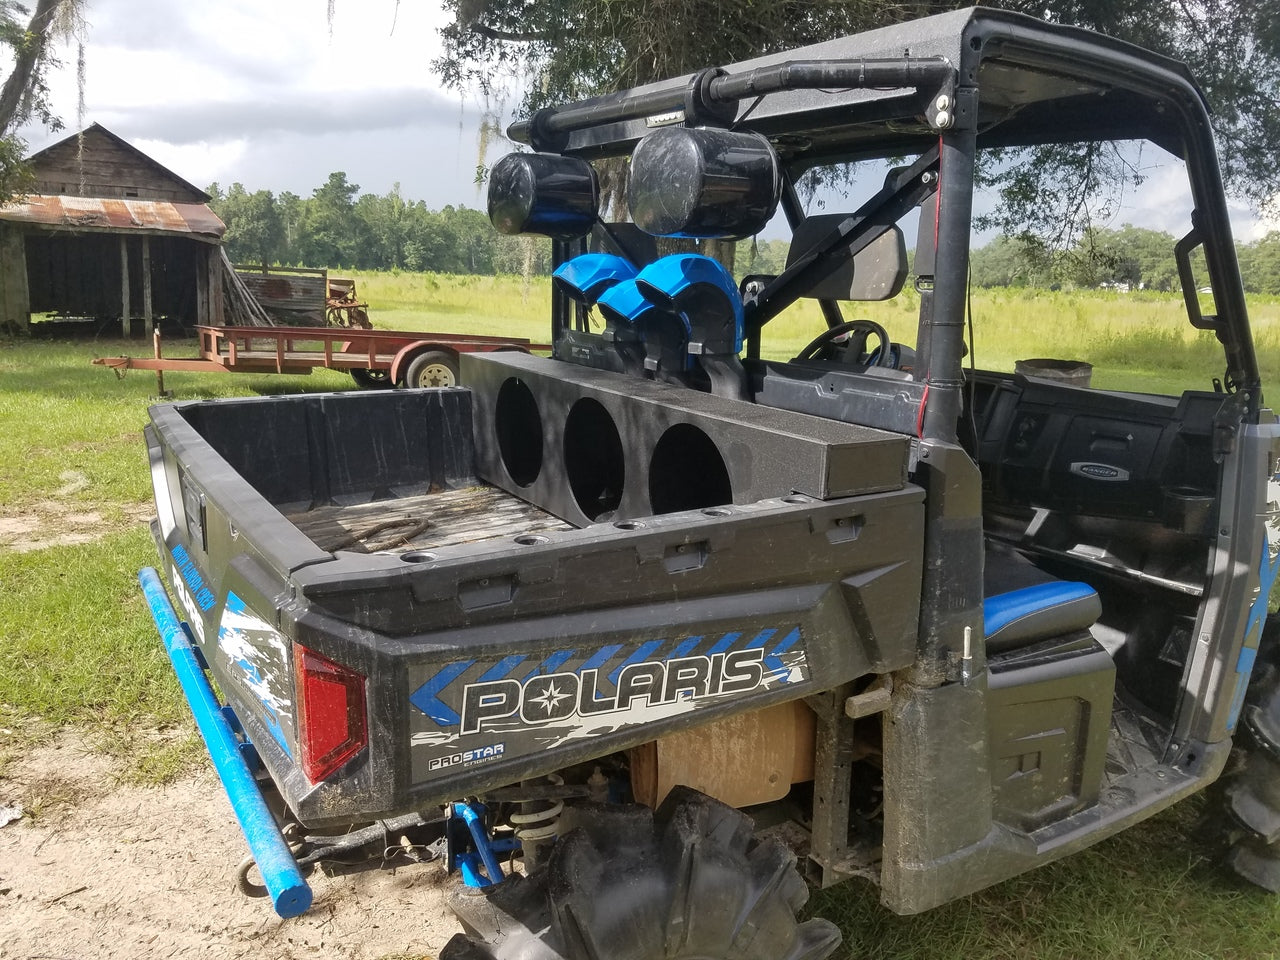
563,696
472,711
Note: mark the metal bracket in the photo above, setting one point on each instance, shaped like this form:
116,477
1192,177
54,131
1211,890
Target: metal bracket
950,107
701,109
541,138
874,699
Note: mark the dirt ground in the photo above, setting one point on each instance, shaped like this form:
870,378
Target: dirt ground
95,870
55,522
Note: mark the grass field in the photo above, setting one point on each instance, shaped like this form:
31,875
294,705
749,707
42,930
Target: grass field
1136,341
78,647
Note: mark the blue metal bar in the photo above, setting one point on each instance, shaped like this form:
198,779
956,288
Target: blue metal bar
289,891
481,839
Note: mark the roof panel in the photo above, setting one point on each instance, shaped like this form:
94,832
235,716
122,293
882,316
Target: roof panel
115,216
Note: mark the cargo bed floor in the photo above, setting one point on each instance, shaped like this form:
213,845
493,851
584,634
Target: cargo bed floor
425,521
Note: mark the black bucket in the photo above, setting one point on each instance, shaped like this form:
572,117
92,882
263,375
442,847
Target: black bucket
1071,373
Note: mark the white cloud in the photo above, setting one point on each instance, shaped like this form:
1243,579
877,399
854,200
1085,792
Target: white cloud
268,95
200,163
264,94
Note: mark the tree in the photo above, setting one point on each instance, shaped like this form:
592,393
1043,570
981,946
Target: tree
574,48
329,231
387,221
23,94
290,206
255,231
1260,264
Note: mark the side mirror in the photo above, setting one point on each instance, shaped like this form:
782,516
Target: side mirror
558,197
876,273
703,183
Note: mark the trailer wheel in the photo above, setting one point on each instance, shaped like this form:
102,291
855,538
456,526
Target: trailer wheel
1249,792
371,379
435,368
690,882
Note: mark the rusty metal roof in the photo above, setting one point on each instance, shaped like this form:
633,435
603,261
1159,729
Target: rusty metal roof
114,215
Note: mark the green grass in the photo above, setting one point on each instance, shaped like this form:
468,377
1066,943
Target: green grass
59,414
443,303
1151,892
1138,341
77,646
76,643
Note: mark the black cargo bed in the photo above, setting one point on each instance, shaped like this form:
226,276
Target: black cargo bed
425,521
549,525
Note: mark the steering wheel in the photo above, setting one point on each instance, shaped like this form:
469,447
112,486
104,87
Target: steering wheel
855,347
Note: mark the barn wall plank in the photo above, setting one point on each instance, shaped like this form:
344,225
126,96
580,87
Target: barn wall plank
107,168
15,299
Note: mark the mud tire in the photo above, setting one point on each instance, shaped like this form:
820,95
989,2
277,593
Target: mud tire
1249,792
625,883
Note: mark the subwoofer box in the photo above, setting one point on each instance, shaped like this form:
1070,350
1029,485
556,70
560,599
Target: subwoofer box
591,446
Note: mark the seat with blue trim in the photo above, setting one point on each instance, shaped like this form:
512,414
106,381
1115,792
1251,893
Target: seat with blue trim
1023,605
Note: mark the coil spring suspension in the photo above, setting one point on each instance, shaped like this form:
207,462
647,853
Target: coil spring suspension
538,821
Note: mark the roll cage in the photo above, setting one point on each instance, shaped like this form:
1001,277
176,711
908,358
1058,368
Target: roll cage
940,90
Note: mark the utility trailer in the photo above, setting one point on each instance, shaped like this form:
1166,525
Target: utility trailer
950,624
373,358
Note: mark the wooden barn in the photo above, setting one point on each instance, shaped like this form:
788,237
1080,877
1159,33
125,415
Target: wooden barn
109,234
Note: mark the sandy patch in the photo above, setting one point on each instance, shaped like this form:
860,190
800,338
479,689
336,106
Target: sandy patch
106,872
54,523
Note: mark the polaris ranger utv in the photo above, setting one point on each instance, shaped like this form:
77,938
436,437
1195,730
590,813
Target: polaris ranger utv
953,623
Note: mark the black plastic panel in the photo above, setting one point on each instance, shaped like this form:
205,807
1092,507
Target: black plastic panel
1049,717
1096,452
341,447
764,452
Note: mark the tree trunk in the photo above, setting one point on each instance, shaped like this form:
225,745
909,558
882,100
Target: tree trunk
14,95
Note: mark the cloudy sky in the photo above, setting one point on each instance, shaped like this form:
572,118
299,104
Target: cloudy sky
263,94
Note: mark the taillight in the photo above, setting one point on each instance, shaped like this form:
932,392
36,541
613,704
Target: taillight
331,717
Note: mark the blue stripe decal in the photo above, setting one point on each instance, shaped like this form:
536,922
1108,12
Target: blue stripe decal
641,654
502,668
685,648
771,660
424,698
550,665
269,715
600,657
1268,567
724,643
